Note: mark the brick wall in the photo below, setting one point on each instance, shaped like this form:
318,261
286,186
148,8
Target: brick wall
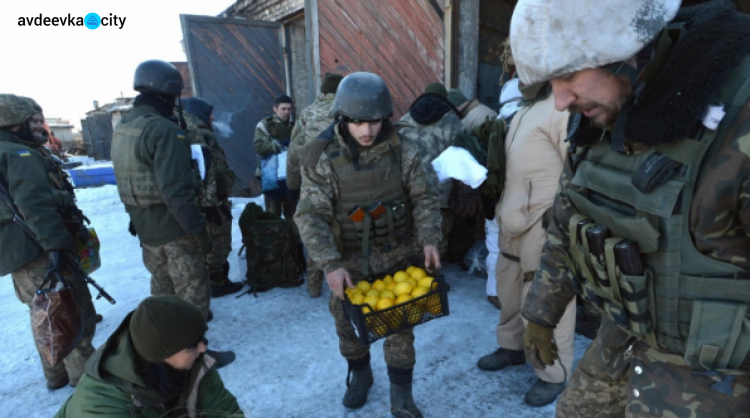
270,10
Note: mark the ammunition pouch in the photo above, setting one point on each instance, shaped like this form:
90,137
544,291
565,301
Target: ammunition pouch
393,226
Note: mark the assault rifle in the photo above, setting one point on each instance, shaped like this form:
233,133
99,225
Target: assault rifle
71,261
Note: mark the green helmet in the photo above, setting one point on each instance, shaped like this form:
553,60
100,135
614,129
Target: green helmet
363,96
15,110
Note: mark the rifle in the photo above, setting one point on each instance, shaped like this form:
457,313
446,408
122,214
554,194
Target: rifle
71,261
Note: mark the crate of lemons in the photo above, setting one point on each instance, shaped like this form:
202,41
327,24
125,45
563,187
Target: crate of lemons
395,303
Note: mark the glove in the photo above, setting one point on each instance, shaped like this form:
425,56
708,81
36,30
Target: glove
293,194
541,351
226,211
131,229
205,242
212,214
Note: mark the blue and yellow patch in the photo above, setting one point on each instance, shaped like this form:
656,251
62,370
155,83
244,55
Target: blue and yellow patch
24,153
180,135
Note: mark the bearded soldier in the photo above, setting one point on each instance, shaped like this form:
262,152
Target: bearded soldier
42,195
360,161
651,218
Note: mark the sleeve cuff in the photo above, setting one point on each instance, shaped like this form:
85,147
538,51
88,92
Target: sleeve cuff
332,265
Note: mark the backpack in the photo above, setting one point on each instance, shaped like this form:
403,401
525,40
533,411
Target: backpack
274,252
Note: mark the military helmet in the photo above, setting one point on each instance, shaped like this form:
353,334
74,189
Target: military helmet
159,77
15,110
363,96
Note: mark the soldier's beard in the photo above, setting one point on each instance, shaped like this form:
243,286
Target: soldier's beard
605,114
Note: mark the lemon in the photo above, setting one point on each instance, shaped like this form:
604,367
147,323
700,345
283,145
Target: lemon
434,286
372,301
378,285
387,279
419,291
366,309
426,282
402,299
392,285
372,292
387,294
409,270
357,299
363,286
384,303
402,288
412,282
418,273
400,276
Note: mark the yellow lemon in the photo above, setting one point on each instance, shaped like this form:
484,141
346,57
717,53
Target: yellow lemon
387,279
402,299
418,273
378,285
391,285
409,270
357,299
403,288
372,301
412,282
384,303
400,276
419,291
363,286
434,286
366,309
426,282
387,294
372,292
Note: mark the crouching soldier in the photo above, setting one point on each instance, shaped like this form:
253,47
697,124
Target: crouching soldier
154,365
360,161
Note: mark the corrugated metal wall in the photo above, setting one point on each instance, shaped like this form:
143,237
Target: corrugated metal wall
400,40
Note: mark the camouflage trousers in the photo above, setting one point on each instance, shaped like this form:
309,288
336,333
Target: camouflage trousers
398,349
445,228
610,382
26,280
179,268
222,246
279,207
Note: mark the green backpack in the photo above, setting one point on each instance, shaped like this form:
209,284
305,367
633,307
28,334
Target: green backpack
274,252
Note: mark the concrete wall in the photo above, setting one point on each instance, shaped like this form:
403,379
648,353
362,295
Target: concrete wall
468,54
300,90
271,10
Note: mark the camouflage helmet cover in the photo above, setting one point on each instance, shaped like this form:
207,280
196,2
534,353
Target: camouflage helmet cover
15,110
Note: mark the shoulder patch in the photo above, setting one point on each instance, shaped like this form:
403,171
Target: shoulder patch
180,135
24,153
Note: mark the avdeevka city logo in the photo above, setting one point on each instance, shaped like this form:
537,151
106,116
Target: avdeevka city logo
91,21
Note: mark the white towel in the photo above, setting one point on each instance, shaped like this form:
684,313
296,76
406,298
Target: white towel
458,163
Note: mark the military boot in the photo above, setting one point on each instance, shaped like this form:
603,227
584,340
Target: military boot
358,382
222,358
57,383
402,401
543,393
501,359
220,283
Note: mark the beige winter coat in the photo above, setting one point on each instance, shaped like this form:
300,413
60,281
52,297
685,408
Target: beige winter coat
535,149
475,113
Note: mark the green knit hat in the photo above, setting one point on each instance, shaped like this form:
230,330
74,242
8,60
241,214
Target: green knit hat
162,326
437,88
456,97
331,83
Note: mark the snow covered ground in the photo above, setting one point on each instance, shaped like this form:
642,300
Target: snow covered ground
288,363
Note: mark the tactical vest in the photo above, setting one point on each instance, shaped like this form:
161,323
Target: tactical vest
136,181
364,187
278,130
684,301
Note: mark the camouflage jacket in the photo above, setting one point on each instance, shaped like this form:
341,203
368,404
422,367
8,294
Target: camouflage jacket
265,142
319,193
313,120
195,135
432,140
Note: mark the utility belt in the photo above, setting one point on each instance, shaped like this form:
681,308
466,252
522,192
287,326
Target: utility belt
612,276
529,275
381,225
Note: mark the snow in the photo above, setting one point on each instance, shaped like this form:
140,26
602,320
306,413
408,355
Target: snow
288,363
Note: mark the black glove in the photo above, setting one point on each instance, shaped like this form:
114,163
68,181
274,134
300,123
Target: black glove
131,229
293,194
205,242
212,214
226,211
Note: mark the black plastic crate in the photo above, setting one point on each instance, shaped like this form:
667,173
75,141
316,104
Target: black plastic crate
375,325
